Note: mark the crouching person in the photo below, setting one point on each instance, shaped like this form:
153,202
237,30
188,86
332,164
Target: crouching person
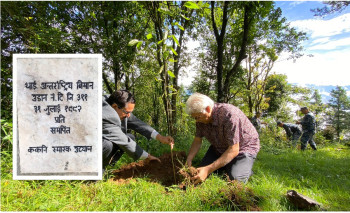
233,138
293,132
117,118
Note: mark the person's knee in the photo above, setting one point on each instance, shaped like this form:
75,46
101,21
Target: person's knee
240,177
107,147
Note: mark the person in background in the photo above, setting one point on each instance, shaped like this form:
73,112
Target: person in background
293,131
257,122
233,138
117,118
308,124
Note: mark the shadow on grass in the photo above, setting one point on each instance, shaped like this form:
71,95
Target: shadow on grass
324,172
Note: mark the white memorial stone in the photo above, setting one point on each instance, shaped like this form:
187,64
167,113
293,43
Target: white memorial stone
57,115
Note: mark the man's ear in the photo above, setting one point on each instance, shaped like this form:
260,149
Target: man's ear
114,105
208,109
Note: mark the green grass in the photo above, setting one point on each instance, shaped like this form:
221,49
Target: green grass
323,175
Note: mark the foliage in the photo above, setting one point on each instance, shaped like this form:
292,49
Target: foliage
6,135
277,92
331,7
145,46
339,115
321,175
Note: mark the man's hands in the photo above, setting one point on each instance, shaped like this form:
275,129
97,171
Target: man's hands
203,173
166,140
152,158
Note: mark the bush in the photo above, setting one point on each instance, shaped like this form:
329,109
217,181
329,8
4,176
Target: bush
6,135
328,133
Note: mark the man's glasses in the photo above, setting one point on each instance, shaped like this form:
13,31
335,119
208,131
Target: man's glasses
127,113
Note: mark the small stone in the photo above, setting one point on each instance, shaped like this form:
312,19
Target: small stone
302,201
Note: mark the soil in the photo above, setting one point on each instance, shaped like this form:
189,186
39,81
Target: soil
161,172
235,194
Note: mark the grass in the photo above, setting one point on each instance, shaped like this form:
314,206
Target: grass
323,175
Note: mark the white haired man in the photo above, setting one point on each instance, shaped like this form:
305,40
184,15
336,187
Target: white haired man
233,138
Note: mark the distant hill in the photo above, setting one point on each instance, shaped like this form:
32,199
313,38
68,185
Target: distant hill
326,90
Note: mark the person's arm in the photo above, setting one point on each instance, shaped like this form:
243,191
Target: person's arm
196,145
146,130
111,131
165,140
139,126
289,132
225,158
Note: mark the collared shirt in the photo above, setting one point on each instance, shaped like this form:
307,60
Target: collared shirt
229,126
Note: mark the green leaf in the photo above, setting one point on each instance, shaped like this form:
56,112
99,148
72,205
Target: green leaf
185,17
93,14
191,5
172,60
166,35
133,42
177,24
175,53
149,36
139,44
176,41
171,74
161,69
160,41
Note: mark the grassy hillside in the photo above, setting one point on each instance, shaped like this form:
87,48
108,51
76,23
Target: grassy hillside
323,175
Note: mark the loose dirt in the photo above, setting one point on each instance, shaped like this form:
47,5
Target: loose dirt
235,194
157,172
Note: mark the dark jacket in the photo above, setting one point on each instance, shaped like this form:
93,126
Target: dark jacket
114,130
309,123
291,129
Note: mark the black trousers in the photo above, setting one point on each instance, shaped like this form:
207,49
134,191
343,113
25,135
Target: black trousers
111,152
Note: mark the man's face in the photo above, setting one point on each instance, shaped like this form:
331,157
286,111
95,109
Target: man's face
124,112
304,111
203,117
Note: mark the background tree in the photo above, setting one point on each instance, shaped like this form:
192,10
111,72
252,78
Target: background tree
340,106
318,108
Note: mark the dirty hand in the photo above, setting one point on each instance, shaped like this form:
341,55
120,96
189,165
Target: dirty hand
201,176
152,158
166,140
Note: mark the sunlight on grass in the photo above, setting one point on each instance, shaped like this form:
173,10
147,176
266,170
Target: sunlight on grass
322,175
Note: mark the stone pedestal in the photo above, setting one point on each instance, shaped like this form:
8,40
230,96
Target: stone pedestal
57,115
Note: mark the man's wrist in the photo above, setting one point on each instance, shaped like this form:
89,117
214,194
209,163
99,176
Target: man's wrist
154,134
144,155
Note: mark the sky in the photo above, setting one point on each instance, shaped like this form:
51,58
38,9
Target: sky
328,43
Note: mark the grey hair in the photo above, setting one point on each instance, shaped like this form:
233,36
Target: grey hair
197,103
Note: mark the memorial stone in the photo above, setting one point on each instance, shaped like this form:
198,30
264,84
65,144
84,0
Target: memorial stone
57,114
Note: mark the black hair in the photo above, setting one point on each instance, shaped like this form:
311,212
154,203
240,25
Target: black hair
121,97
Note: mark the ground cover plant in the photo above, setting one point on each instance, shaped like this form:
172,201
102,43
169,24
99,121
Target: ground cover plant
322,175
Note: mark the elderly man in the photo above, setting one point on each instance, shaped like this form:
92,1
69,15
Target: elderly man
117,118
308,124
293,131
233,138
